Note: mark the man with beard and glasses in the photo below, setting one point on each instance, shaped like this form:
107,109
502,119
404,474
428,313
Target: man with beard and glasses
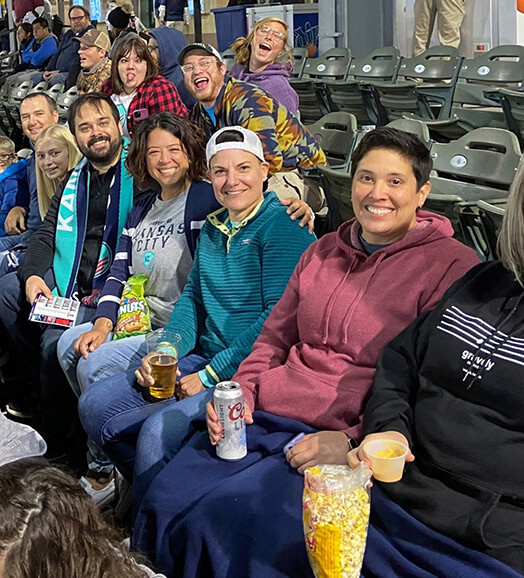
69,256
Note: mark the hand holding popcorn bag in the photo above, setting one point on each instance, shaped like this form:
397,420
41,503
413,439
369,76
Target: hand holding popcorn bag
336,515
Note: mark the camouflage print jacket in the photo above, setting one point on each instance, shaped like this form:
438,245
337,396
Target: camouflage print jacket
287,143
92,82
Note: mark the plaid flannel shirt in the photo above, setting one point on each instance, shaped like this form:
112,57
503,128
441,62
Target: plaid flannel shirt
155,95
287,143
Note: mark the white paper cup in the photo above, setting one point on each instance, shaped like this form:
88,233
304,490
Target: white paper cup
386,468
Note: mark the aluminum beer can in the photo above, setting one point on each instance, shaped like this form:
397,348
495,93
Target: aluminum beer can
229,405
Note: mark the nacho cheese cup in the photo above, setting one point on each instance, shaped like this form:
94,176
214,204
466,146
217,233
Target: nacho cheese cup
387,459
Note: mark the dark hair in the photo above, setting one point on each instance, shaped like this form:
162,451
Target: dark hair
50,528
191,136
50,101
42,21
79,7
404,143
94,99
230,136
28,28
123,49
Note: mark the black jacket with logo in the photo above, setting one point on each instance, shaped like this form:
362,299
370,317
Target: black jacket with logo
453,384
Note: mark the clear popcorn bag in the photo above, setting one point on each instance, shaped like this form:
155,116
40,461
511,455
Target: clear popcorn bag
336,515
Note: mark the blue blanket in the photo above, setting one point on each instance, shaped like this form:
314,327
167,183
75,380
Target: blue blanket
204,517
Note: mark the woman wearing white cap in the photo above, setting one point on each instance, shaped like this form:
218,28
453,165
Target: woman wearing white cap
247,251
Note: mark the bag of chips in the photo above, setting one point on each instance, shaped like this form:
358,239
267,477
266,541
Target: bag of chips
336,515
133,313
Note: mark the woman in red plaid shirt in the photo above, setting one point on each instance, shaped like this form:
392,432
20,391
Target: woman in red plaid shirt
137,88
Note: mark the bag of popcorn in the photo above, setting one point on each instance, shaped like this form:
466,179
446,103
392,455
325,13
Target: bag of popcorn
336,515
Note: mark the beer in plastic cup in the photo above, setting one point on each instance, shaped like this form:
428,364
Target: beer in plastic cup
387,459
163,371
164,364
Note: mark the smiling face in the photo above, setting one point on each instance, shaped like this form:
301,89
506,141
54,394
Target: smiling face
36,115
52,158
267,44
237,178
132,71
385,196
203,76
98,135
167,162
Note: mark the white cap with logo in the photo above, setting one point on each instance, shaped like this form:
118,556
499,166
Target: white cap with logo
250,143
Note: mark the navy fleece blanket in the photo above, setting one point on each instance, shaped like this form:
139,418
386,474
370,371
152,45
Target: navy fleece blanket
204,517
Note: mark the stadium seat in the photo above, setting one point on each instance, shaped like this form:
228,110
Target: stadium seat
337,188
55,90
299,61
332,65
424,86
229,58
335,133
353,95
479,166
64,101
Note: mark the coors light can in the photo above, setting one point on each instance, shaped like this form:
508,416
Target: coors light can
229,405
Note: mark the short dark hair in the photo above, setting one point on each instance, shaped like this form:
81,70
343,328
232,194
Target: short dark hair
94,99
191,136
42,21
79,7
123,49
404,143
50,101
230,136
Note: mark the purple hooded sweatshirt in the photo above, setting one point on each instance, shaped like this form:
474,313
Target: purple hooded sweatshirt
273,79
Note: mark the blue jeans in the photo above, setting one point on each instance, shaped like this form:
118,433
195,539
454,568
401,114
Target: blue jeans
134,432
110,358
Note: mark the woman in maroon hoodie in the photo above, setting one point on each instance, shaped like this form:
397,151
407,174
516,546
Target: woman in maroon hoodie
311,370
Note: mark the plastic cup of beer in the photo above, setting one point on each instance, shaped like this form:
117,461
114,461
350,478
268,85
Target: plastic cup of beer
162,345
387,459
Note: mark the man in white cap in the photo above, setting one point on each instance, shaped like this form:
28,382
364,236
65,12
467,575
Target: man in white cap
95,66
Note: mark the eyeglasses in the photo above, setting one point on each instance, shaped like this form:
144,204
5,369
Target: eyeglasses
77,18
5,157
267,31
203,64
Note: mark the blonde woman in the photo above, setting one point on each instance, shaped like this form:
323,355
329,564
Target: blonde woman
56,154
256,61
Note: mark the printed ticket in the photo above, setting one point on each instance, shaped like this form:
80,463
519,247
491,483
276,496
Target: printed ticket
55,311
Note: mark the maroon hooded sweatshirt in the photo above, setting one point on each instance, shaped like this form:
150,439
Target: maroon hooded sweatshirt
315,358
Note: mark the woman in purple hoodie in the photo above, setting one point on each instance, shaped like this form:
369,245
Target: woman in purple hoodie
256,63
310,372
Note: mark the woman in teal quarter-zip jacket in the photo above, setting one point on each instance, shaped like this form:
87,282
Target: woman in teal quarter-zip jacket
245,256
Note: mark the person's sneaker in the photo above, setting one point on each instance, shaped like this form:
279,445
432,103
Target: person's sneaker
20,409
102,493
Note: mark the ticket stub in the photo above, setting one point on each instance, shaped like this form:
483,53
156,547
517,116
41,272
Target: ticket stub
54,311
